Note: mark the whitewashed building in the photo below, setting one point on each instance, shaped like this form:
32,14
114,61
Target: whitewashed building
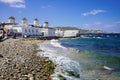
71,33
11,21
59,32
66,31
47,32
25,31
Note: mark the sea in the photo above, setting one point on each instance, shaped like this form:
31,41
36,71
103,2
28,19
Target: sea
85,58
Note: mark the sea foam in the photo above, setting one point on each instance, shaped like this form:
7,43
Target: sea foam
60,55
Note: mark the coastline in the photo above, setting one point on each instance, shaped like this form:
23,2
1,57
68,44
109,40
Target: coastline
72,64
67,68
40,59
94,66
18,60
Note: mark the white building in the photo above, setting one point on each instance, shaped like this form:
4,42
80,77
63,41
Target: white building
45,24
66,31
47,32
36,22
24,22
11,19
25,31
59,32
70,33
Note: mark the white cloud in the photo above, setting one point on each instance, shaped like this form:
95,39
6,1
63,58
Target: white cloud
14,3
18,5
93,12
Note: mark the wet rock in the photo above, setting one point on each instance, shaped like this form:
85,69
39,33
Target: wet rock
20,62
1,56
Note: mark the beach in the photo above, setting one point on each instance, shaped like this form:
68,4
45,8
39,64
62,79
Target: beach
19,61
32,59
74,64
64,58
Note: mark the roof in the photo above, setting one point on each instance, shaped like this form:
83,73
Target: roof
47,28
36,19
24,18
11,17
8,23
46,22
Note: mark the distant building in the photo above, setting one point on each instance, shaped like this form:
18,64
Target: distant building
66,31
36,22
47,32
45,24
11,19
59,32
24,31
8,25
71,33
24,22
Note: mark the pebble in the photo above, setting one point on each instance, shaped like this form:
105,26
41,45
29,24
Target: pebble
18,59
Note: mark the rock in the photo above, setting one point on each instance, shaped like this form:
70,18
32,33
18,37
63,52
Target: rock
1,56
20,59
30,77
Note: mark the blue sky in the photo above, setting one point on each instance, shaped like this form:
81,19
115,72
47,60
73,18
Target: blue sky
84,14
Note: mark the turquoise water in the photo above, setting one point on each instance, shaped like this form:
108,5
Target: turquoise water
95,53
106,46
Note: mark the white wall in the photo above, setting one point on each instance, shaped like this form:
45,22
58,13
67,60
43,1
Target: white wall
8,26
70,33
59,33
48,32
28,31
31,31
51,32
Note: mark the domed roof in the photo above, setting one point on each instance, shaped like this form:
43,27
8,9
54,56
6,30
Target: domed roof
46,22
24,18
36,19
11,17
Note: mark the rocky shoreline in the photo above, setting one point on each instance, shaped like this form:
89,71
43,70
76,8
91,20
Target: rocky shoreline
18,61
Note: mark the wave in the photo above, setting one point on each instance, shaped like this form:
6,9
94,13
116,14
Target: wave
55,43
66,67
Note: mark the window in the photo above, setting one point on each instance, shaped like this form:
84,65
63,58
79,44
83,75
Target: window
36,30
26,30
42,34
29,30
32,30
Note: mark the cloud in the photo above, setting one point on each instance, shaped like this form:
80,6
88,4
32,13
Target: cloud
17,5
93,12
14,3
